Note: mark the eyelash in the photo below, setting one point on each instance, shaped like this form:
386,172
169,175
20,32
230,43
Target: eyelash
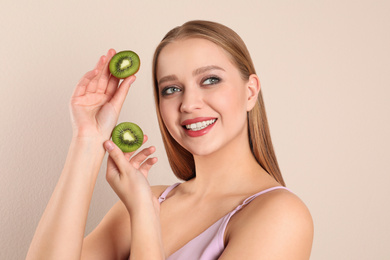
215,80
173,89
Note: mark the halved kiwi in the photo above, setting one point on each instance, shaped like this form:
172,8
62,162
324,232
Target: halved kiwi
124,64
127,136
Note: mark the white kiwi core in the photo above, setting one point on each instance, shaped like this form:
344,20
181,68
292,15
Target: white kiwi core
125,63
127,136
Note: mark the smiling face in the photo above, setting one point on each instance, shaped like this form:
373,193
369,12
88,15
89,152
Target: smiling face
203,98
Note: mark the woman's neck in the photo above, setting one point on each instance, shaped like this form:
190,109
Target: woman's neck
228,169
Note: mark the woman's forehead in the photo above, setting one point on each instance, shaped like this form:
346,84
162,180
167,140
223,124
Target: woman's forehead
190,54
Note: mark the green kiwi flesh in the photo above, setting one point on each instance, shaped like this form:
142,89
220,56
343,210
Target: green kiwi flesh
124,64
127,136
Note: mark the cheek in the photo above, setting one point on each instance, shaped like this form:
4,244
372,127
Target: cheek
232,106
167,114
231,100
163,112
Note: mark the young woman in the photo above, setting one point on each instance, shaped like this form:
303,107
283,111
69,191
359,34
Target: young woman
232,203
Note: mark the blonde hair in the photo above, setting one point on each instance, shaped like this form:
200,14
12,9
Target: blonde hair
182,161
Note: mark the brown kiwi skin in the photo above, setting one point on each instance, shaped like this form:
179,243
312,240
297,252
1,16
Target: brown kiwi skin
125,145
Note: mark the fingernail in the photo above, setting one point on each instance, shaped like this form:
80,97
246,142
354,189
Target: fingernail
108,146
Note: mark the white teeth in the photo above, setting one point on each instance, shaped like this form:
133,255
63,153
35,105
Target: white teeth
200,125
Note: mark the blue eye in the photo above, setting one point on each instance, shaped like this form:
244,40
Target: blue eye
211,81
170,90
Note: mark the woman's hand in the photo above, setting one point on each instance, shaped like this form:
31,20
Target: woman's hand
97,100
127,174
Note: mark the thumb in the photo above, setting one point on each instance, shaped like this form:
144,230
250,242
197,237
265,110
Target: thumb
116,155
120,95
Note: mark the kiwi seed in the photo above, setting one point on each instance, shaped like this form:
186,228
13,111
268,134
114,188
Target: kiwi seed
128,136
124,64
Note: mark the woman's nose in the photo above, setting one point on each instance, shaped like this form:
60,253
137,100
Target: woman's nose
192,100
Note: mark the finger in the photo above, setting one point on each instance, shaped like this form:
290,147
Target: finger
117,156
141,156
112,86
91,87
147,165
120,95
105,73
128,155
111,164
88,77
82,84
112,170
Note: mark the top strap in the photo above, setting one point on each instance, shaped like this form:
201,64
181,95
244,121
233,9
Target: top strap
226,219
249,199
167,190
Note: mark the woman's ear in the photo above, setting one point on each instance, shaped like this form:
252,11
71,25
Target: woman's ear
253,87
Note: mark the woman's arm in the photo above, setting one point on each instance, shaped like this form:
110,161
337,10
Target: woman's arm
128,178
275,226
60,232
95,106
111,239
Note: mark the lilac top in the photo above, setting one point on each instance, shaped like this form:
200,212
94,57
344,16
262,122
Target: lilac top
209,244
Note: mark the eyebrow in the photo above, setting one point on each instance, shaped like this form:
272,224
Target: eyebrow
167,78
194,73
206,68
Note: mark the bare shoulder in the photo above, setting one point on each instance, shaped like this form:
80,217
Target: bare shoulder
275,225
280,205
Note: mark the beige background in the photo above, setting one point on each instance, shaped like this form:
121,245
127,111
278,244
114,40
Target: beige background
324,68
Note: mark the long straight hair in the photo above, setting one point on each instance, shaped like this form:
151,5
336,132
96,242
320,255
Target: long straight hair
182,161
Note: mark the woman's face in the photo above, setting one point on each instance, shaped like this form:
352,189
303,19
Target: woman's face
203,99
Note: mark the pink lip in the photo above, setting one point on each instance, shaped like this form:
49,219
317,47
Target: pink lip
200,132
